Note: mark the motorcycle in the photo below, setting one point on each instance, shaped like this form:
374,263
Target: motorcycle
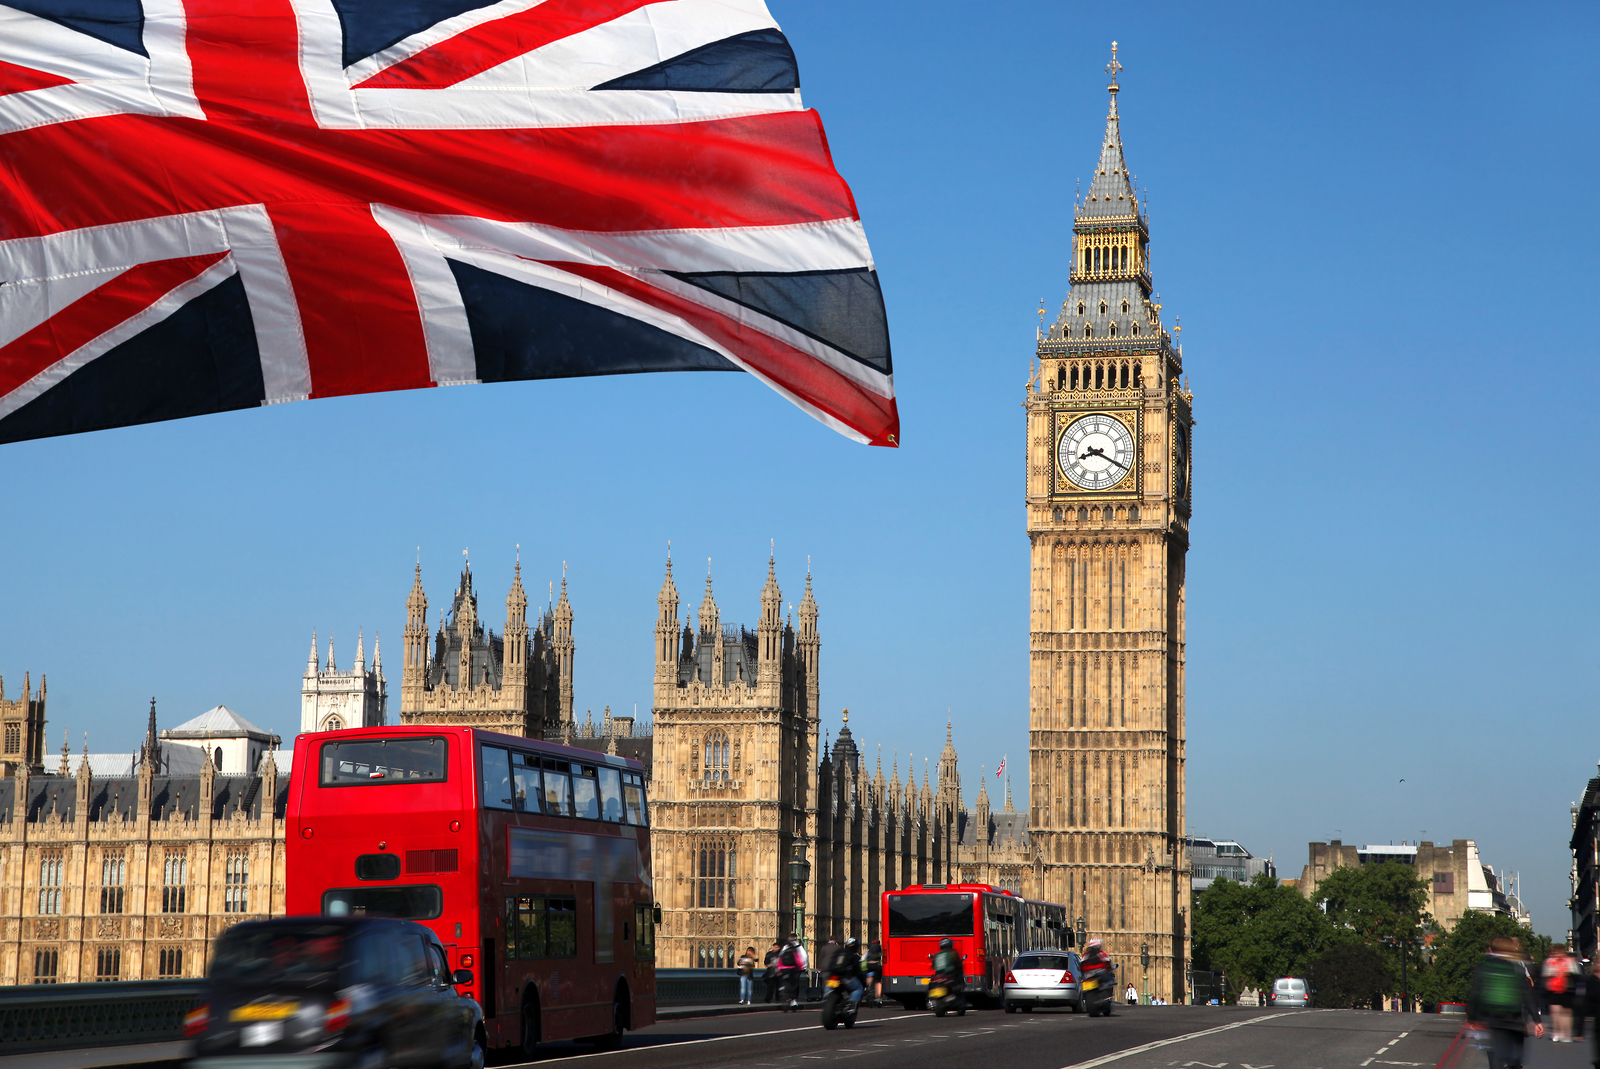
837,1005
1099,987
943,996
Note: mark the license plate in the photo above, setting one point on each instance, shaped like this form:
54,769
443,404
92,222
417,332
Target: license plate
936,992
264,1011
833,983
1090,985
259,1035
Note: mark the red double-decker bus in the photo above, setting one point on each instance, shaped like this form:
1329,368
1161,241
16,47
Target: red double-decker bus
988,926
531,861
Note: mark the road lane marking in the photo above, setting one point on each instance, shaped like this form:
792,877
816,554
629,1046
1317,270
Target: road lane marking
1105,1059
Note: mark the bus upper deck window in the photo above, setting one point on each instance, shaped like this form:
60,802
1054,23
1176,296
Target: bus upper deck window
380,762
633,797
610,794
585,793
557,789
496,778
525,771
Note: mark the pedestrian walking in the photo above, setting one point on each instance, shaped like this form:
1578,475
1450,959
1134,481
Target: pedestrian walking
791,967
1131,996
1502,1000
770,972
1559,979
747,975
872,965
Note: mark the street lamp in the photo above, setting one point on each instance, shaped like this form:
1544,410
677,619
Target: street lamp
1144,962
799,876
1083,933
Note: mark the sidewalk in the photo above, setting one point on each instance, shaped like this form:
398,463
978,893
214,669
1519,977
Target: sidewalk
679,1013
1543,1054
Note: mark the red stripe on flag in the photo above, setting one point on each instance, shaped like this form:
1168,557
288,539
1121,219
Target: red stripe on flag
489,44
246,61
363,333
799,372
15,79
91,315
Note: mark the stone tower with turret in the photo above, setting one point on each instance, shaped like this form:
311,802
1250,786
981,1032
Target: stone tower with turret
331,699
1108,505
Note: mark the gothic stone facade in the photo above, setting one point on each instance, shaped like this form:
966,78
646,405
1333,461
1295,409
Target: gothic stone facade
1108,504
331,700
131,877
519,683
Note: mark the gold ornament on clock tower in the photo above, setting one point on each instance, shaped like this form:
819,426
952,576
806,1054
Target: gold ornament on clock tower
1108,524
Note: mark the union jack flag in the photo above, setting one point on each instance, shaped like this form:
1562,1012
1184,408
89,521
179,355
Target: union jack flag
215,204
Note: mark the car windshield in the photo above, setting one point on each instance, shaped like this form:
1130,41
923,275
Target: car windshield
913,915
305,956
1055,962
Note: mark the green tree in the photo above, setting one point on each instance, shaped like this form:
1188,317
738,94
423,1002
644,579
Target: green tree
1456,954
1255,932
1384,907
1350,976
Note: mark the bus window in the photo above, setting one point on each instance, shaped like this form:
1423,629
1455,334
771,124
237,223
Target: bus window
364,762
525,771
557,789
925,914
530,935
408,902
541,926
562,920
585,794
496,779
644,948
610,794
633,795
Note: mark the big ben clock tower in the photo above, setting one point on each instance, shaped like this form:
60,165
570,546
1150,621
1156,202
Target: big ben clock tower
1108,500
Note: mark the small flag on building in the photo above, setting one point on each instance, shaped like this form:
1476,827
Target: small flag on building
1001,770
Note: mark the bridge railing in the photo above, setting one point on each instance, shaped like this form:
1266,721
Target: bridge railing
46,1017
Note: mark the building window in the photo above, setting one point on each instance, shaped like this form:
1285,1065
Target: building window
50,884
108,963
112,870
718,863
1088,331
45,963
218,758
170,962
1102,307
236,891
1133,513
13,738
1058,515
1124,307
1080,308
1113,330
1136,330
174,883
716,757
333,724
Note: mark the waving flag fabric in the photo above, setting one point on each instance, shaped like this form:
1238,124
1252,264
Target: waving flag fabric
215,204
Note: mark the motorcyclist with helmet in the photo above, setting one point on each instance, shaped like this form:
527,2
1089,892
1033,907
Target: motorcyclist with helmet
947,971
1096,965
847,966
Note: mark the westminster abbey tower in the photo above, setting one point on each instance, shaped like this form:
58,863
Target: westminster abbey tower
1108,526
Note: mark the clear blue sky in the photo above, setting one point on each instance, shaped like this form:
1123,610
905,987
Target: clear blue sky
1378,225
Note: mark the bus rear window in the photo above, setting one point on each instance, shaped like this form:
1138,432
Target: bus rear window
913,915
365,762
416,902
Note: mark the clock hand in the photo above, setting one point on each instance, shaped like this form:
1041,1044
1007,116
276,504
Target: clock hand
1095,451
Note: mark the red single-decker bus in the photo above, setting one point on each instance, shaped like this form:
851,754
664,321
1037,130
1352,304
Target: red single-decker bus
988,927
531,861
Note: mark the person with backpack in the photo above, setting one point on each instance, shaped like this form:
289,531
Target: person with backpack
1560,976
769,974
747,972
1502,1000
791,967
872,968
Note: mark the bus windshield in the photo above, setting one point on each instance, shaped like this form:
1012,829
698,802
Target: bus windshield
377,761
914,915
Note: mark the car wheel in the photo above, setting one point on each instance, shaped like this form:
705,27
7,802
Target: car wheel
1010,1008
475,1050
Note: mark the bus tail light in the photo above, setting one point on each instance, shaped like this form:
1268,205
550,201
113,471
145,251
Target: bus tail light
338,1015
195,1021
466,961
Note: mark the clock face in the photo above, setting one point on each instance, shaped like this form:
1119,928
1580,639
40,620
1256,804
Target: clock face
1180,462
1096,451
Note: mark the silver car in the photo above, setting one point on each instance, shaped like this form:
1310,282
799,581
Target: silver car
1289,991
1043,978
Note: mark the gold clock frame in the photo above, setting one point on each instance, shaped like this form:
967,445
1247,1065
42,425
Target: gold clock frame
1129,488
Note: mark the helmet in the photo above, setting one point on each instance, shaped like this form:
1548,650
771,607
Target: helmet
1094,944
946,943
852,942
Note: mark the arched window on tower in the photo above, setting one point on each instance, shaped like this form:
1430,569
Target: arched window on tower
1074,376
1138,378
1083,515
1124,261
1088,331
1124,382
1136,330
718,870
333,724
1080,308
1133,513
1058,515
716,757
1102,307
1099,376
1085,267
1061,377
1113,330
1124,307
1097,259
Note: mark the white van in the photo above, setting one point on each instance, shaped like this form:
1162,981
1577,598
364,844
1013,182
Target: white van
1289,991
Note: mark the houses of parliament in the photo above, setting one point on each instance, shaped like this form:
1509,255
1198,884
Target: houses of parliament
125,866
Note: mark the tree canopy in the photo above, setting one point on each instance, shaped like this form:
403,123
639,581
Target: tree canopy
1255,932
1456,954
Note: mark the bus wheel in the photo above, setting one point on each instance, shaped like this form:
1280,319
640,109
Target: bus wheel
619,1023
530,1029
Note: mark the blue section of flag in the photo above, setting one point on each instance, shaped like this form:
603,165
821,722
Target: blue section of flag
370,26
116,22
525,332
760,61
202,358
842,308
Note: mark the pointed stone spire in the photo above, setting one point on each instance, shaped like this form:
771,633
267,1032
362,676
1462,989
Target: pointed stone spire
312,666
331,666
377,655
361,652
66,754
1111,189
710,620
1008,808
84,771
150,752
